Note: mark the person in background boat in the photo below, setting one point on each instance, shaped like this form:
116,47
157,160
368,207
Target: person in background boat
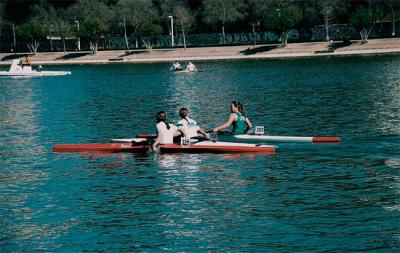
190,67
188,126
165,131
27,61
176,66
241,124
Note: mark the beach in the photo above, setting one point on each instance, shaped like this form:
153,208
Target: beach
263,51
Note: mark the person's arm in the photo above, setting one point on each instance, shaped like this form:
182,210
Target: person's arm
178,132
248,122
232,117
202,131
157,141
249,125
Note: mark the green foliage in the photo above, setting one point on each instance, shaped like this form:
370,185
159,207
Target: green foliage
1,12
136,12
284,18
32,31
90,9
365,17
93,29
149,30
221,12
257,9
147,33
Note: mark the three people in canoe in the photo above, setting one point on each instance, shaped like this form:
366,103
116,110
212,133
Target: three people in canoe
190,67
189,129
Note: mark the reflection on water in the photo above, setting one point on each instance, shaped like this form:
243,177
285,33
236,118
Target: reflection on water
306,197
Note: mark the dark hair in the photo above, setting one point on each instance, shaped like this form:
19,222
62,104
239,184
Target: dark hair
183,112
239,106
162,117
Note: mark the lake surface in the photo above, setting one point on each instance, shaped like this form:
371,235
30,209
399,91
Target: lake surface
306,198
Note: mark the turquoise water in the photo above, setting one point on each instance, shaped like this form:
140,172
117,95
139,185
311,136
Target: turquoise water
305,198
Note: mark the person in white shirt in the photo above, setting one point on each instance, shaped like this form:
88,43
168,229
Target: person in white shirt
190,67
176,66
188,126
165,131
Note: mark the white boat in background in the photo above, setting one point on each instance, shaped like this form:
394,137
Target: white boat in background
17,69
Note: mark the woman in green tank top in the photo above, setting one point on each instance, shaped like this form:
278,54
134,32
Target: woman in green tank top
241,124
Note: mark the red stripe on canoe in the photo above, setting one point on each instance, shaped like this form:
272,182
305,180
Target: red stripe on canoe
326,139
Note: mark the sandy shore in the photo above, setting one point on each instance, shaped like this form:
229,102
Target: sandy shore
293,50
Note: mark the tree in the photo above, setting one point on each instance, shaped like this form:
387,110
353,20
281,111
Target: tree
89,9
185,20
393,6
94,17
325,11
328,12
281,16
365,19
257,9
147,34
182,14
1,16
223,12
32,32
46,15
136,13
63,25
92,30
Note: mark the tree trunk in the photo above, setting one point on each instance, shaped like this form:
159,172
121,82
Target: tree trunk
63,40
51,41
93,47
136,43
254,34
149,47
126,37
284,38
393,24
327,29
14,40
183,35
223,34
33,46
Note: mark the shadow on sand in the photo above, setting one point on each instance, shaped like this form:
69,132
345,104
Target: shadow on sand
261,49
13,56
72,55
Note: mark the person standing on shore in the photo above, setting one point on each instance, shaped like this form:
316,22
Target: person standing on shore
165,131
241,124
188,126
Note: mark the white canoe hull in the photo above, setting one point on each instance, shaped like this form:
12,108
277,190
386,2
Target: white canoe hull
287,138
35,73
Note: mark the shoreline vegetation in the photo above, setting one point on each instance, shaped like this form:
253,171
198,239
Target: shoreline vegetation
264,51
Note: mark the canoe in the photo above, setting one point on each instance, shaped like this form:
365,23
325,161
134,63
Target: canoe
271,138
199,147
218,147
287,138
101,147
35,73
